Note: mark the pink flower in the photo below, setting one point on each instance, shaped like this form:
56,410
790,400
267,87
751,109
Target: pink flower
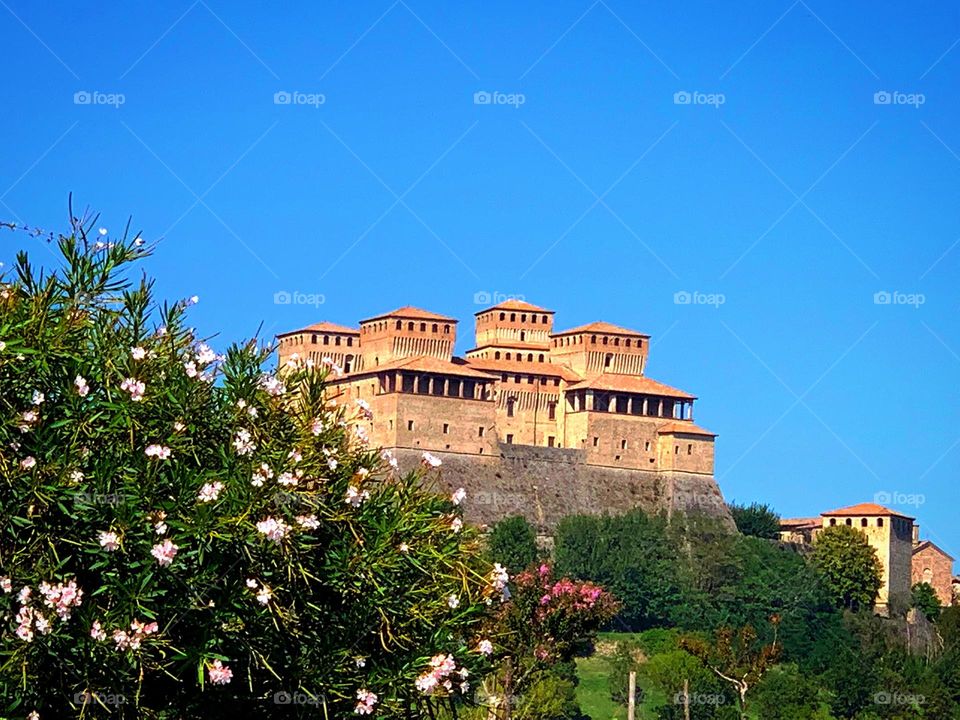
431,460
165,552
275,530
210,492
62,598
205,355
160,452
97,632
6,585
308,522
109,540
219,673
355,496
272,385
456,525
485,647
81,385
28,462
365,702
138,353
135,387
365,410
243,443
459,496
263,595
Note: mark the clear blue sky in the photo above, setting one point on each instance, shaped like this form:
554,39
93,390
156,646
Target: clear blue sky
796,199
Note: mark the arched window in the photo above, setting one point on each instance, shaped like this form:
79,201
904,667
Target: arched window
627,342
446,329
523,317
879,522
863,522
409,326
423,327
336,340
399,324
541,357
326,339
605,339
529,357
593,339
313,339
511,402
523,336
513,317
436,328
503,316
508,356
496,355
616,342
607,360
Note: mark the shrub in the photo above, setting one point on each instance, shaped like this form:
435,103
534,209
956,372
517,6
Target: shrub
514,543
756,520
183,535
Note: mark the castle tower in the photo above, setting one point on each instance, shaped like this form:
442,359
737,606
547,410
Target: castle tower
323,339
601,347
891,535
406,332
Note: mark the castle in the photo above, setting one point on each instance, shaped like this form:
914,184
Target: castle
905,559
531,420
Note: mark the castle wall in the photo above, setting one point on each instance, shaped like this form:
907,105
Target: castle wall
547,484
931,566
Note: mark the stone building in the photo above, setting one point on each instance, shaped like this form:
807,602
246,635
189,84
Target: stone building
531,420
896,538
932,565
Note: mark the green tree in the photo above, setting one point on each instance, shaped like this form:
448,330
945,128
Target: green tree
848,565
756,520
924,598
513,543
193,535
786,694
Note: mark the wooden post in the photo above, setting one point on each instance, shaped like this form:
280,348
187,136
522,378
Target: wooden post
686,699
631,696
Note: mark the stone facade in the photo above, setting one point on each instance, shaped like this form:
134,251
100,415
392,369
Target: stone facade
559,422
934,566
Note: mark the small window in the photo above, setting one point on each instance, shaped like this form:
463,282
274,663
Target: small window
689,449
510,405
496,355
863,522
508,356
593,339
513,317
676,449
409,326
313,339
399,324
480,431
623,444
523,317
423,327
391,424
349,342
552,411
503,316
509,439
409,424
879,522
646,446
336,340
435,328
596,441
551,441
446,428
326,339
849,521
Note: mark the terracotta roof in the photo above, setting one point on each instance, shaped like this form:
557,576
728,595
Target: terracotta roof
528,368
411,313
930,544
323,326
633,384
423,363
515,305
601,327
800,523
683,426
868,509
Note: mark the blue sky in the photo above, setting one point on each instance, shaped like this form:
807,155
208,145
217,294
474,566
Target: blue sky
782,197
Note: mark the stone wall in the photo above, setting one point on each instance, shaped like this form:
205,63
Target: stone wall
546,484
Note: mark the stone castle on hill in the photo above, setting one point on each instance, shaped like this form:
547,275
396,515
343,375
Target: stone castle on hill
531,420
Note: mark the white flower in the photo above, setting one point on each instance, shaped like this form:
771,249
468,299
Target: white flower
456,525
431,460
458,496
251,583
263,595
485,647
161,452
308,522
76,476
3,346
275,530
38,397
138,353
210,492
109,540
135,387
160,528
355,496
191,368
243,443
272,385
81,385
453,602
360,661
179,426
28,462
6,585
205,355
404,548
193,300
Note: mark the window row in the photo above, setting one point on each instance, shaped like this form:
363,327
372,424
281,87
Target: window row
423,327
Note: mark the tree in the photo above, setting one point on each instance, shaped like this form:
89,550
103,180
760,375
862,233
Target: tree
924,598
736,657
184,535
848,565
756,520
513,543
786,694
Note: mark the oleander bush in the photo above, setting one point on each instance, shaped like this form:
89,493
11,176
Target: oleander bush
185,535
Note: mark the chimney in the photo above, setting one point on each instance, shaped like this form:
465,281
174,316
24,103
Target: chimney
916,533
